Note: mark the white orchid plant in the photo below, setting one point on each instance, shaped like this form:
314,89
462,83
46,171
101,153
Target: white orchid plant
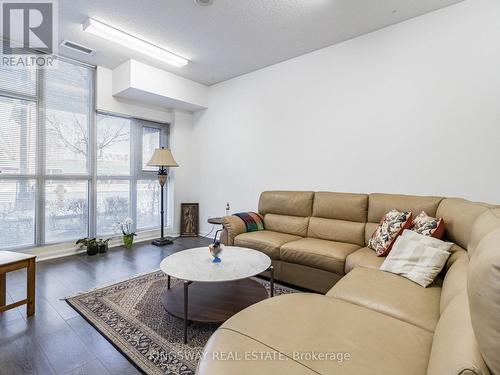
125,226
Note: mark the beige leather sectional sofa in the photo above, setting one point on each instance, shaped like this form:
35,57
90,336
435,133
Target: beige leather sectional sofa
369,321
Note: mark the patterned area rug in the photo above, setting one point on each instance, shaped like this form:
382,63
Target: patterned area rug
131,316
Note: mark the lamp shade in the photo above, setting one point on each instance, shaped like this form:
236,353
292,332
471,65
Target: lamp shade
162,157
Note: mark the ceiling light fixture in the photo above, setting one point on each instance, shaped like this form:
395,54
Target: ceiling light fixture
129,41
204,2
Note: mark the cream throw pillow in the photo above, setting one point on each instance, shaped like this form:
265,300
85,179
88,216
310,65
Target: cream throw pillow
417,257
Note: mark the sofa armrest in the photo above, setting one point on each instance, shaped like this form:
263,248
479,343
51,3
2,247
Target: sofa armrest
233,226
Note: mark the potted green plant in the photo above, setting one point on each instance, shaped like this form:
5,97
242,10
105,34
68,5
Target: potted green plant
126,228
90,243
103,245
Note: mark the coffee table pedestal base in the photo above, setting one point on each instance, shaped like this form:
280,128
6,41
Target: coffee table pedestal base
212,302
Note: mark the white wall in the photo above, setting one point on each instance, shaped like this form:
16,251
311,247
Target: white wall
413,108
183,180
106,102
147,84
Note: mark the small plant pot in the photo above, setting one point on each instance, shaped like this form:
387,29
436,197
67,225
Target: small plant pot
103,248
92,249
128,240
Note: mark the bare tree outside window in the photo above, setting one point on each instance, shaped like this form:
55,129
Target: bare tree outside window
78,142
51,176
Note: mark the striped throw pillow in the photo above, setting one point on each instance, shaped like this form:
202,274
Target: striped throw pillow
417,257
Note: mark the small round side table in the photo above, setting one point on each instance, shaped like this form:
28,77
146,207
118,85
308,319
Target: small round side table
215,220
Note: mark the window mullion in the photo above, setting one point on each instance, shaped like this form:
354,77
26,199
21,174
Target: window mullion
49,110
138,199
92,188
40,168
11,95
135,152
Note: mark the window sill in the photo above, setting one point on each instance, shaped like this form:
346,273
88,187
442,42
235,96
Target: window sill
67,249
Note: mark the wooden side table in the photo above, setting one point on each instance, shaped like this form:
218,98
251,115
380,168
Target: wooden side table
11,261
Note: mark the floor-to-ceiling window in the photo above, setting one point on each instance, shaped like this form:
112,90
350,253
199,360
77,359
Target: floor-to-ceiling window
126,186
19,170
65,171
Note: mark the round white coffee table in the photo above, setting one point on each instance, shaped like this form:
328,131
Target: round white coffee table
216,291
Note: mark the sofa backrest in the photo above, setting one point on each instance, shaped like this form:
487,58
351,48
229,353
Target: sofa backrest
484,224
379,204
455,277
459,217
339,217
467,337
286,211
342,216
484,288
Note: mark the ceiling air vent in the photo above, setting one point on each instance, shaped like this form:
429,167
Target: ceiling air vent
78,47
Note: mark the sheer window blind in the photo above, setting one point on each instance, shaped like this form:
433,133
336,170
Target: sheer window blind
18,80
45,121
125,185
18,135
65,171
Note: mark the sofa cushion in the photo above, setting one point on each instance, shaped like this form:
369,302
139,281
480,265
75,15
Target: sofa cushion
364,257
228,353
390,294
313,279
321,254
370,228
380,204
291,203
459,216
341,206
336,230
266,241
377,343
295,225
454,349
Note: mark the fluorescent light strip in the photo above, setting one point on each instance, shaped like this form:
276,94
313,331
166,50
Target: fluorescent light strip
126,40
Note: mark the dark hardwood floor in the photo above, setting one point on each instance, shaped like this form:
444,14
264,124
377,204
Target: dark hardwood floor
57,340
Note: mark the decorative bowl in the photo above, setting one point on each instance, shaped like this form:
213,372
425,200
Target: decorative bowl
215,251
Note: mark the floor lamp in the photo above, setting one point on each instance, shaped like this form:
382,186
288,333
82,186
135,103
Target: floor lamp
162,158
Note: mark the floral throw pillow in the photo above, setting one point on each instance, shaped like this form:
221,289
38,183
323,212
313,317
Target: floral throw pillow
390,227
428,226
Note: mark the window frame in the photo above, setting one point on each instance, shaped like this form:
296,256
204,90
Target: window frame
136,172
42,167
40,175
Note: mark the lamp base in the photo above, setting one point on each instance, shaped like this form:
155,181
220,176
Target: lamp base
163,241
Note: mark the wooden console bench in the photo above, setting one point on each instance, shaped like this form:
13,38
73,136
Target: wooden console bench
11,261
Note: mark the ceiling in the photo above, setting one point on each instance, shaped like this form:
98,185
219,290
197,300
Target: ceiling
231,37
